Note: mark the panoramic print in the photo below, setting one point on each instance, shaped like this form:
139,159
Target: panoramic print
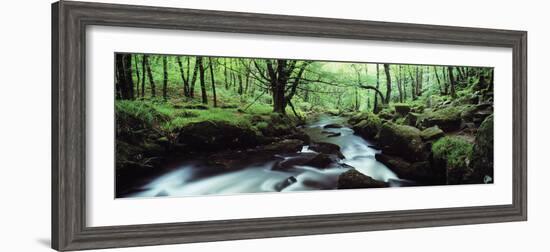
204,125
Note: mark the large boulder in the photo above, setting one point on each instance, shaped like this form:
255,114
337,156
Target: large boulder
214,136
476,114
317,160
368,127
448,118
420,171
285,146
402,108
326,148
432,133
482,155
402,140
353,179
453,154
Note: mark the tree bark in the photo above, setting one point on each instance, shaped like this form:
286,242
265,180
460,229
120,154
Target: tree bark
388,83
143,76
165,77
215,99
440,87
194,78
453,81
125,84
150,74
203,84
138,77
183,78
375,107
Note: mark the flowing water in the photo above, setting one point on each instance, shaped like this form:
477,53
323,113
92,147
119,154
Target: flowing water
190,179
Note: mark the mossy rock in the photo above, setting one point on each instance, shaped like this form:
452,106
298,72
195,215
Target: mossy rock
358,117
369,127
402,108
386,114
216,135
402,140
420,171
432,133
448,119
453,154
482,154
354,179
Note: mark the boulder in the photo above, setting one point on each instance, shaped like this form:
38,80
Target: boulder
326,148
290,162
353,179
285,146
386,114
214,136
448,118
320,160
482,153
333,126
420,171
285,183
368,128
402,109
453,154
432,133
401,140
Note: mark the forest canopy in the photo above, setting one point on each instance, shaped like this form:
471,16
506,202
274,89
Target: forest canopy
290,86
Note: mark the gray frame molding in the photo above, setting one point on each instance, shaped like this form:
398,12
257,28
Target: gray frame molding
69,20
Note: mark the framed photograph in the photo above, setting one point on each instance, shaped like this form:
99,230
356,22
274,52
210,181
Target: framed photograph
178,125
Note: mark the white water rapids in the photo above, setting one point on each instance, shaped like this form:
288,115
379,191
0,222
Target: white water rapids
188,181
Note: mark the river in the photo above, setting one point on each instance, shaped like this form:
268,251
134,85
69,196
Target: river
190,179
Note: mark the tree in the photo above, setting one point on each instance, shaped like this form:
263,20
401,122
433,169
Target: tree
138,77
184,79
165,78
213,82
150,74
375,107
143,76
203,84
125,84
388,83
194,78
452,81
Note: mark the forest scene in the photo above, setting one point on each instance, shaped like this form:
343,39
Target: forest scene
202,125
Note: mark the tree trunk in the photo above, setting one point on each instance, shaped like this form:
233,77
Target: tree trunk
165,78
213,82
399,83
375,107
194,78
183,78
138,77
150,74
203,84
438,81
453,81
143,76
125,84
388,83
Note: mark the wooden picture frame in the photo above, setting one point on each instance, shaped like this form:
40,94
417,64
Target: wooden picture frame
69,20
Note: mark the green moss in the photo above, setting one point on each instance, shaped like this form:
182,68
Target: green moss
454,150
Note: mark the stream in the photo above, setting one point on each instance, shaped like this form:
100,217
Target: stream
191,178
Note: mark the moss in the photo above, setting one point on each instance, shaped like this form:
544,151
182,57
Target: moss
482,156
454,150
402,108
401,140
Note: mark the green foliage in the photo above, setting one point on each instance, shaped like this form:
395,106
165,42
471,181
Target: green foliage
454,150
